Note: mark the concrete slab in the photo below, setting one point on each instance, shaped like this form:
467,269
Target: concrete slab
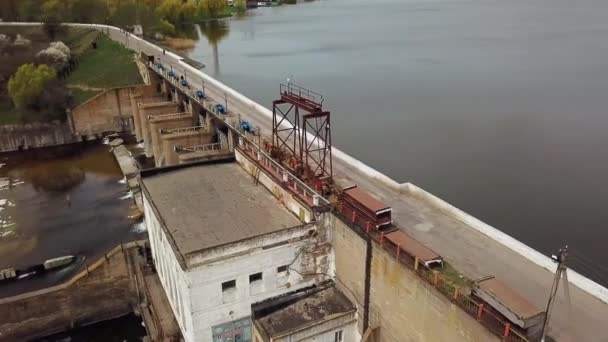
209,205
125,161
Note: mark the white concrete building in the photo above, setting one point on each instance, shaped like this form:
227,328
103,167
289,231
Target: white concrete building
220,243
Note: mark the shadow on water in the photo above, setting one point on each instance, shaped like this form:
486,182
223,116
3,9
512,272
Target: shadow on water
215,31
123,329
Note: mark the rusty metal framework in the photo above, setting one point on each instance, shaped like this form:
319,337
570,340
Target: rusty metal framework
301,133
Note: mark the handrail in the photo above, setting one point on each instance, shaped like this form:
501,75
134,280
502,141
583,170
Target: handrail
156,116
292,89
200,148
182,130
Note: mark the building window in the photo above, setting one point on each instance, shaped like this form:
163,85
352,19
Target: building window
229,291
256,283
255,277
282,275
339,336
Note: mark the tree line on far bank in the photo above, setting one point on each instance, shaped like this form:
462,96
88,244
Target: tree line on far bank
168,17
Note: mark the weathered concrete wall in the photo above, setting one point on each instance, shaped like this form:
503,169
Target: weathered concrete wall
26,136
142,95
402,306
169,141
191,157
166,122
110,111
349,250
102,291
147,110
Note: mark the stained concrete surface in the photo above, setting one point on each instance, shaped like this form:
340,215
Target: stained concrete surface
214,204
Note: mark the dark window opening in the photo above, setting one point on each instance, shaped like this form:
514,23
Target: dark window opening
228,285
255,277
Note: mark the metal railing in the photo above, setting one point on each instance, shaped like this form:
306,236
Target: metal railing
455,293
281,175
292,89
294,184
182,130
164,116
200,148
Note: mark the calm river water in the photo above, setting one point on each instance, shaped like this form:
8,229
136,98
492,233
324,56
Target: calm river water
499,107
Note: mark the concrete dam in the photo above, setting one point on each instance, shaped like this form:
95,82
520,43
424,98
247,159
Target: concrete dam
241,245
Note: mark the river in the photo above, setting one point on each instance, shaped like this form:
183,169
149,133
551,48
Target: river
61,201
499,107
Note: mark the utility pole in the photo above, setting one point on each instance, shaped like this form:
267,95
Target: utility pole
560,258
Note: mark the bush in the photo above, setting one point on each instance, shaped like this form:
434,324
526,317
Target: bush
241,6
170,10
54,57
213,8
28,82
61,47
166,28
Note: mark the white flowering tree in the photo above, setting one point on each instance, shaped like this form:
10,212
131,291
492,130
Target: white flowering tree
61,47
54,57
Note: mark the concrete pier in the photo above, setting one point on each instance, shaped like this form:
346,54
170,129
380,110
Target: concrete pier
173,139
166,122
146,111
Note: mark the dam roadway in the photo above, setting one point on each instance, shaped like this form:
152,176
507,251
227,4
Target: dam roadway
465,247
473,248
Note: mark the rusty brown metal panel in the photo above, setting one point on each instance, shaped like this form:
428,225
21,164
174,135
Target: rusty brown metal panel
412,246
365,199
508,297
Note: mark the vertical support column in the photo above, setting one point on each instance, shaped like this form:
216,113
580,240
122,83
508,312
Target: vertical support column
230,141
163,86
136,117
367,288
479,312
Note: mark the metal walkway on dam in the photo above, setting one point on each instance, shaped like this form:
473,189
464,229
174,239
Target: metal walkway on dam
474,248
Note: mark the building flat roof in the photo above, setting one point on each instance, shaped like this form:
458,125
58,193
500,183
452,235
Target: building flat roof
213,204
295,311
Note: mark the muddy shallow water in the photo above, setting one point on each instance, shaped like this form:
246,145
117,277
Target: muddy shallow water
57,202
